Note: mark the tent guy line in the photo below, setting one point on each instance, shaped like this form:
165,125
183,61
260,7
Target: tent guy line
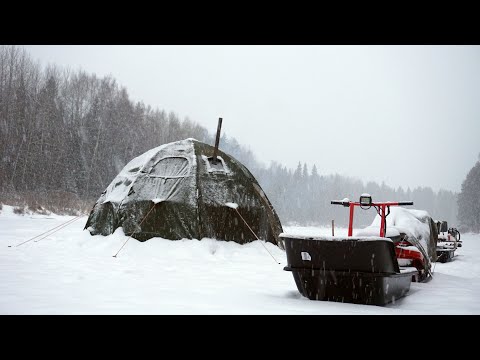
125,243
235,206
58,227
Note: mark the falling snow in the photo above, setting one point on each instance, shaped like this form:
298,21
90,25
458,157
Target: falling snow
72,272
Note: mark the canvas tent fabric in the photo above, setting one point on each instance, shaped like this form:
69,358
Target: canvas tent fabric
177,191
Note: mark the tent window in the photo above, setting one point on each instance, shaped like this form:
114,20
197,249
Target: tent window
213,167
171,167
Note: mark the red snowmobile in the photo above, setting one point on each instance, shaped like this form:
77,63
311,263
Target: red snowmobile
374,266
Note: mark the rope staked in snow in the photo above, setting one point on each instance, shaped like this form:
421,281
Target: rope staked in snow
58,227
134,232
436,263
256,235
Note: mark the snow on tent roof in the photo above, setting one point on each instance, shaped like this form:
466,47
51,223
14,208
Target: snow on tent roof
171,192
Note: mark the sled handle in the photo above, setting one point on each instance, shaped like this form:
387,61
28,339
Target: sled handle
405,203
338,202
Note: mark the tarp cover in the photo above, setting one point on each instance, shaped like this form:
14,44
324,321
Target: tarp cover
416,225
177,191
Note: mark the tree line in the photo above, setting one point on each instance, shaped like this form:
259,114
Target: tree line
307,195
66,134
69,131
469,200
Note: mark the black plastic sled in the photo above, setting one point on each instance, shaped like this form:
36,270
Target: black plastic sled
354,269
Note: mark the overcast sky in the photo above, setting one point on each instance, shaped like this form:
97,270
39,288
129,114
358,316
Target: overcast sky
406,115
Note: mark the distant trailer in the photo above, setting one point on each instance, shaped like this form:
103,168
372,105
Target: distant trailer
448,242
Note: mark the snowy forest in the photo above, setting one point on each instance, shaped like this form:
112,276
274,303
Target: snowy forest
64,136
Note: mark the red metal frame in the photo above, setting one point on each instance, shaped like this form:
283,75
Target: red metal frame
401,252
382,205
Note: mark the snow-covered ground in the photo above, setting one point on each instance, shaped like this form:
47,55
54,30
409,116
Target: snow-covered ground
71,272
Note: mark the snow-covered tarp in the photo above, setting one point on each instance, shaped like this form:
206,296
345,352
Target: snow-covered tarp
416,225
178,190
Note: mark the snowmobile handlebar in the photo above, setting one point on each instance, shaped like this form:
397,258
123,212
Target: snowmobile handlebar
337,202
347,203
365,202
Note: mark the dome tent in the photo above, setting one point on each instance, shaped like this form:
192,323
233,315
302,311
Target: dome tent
177,191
